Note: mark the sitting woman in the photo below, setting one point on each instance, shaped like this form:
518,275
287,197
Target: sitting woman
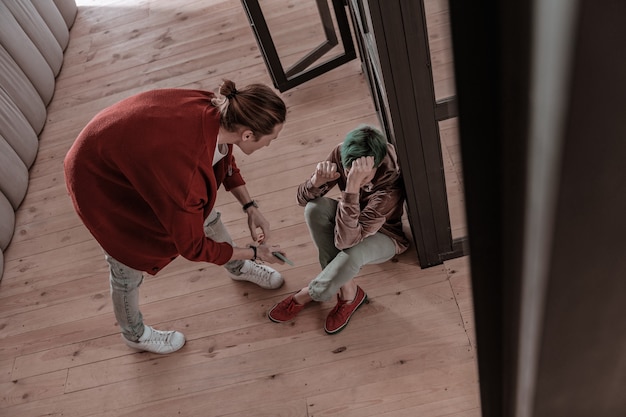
363,227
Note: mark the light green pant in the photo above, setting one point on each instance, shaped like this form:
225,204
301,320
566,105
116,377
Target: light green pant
340,266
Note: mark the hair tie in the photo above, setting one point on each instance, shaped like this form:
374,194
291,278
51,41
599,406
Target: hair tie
232,94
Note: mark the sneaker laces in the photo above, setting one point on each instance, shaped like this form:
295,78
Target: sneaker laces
340,304
260,273
291,306
159,336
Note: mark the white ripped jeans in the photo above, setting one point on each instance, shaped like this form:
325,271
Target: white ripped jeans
125,281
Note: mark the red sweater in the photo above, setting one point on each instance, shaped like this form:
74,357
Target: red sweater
142,179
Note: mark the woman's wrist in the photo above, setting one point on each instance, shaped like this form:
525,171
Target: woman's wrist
244,254
249,204
254,252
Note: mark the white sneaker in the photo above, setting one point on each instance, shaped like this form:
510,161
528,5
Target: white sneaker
261,275
158,341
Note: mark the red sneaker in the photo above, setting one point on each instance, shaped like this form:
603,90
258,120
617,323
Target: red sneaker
340,315
285,310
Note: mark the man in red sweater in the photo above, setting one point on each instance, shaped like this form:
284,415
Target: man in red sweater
143,176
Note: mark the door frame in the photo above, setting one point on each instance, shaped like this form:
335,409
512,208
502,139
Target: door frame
304,69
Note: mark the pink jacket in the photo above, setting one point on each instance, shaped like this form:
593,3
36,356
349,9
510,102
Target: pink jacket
361,215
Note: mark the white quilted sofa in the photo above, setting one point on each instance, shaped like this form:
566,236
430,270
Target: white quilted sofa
33,36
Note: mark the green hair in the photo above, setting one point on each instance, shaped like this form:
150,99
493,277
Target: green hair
363,141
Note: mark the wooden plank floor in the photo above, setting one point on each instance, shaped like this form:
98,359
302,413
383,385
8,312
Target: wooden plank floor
409,352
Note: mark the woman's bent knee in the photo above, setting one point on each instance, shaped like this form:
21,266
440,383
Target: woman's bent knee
320,210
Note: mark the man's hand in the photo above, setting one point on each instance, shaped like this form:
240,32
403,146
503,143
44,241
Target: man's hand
257,221
266,254
325,171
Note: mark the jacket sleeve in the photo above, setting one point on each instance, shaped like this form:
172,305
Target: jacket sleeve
353,223
307,191
180,203
185,224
